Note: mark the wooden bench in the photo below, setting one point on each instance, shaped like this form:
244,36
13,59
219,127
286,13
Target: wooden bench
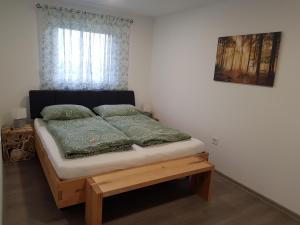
99,187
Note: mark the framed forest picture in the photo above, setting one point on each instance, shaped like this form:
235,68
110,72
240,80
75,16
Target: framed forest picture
248,59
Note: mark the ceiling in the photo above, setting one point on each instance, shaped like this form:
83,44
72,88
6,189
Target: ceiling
151,8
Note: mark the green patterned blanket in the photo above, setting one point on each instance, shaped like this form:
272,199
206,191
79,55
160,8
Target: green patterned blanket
145,131
87,136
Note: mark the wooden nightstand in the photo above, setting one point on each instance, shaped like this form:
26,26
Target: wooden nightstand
17,143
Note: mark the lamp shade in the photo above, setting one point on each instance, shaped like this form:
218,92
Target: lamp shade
19,113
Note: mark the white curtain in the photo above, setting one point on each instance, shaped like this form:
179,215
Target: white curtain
82,50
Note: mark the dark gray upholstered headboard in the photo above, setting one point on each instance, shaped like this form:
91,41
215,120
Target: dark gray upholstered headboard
38,99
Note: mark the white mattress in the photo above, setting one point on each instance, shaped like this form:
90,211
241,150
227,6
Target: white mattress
87,166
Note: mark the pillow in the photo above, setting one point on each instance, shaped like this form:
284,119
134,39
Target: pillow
116,110
65,112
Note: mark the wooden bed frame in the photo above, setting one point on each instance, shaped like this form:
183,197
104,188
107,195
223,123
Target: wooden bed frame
71,191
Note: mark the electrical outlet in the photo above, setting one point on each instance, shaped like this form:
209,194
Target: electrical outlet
215,141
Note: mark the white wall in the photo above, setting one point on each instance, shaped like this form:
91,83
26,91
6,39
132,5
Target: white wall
19,54
258,127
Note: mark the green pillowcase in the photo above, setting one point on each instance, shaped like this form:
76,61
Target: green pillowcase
116,110
65,112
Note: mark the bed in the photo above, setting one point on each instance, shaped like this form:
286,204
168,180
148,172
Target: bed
67,177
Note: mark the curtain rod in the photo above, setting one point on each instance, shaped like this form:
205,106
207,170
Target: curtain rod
39,6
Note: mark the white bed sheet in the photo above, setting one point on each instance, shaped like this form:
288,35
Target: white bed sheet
87,166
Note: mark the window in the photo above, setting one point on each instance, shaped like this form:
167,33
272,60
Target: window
82,50
81,54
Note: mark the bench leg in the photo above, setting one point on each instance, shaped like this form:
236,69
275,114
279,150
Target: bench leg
93,204
201,184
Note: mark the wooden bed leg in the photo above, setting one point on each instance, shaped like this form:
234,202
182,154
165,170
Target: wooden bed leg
201,184
93,204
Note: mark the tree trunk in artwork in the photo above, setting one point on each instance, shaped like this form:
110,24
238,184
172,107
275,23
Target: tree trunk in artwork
272,57
250,51
260,45
233,54
223,51
242,52
271,73
256,48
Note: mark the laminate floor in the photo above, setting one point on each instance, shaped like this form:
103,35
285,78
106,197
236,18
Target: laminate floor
28,201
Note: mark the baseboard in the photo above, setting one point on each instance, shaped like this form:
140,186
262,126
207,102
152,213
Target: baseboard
263,198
